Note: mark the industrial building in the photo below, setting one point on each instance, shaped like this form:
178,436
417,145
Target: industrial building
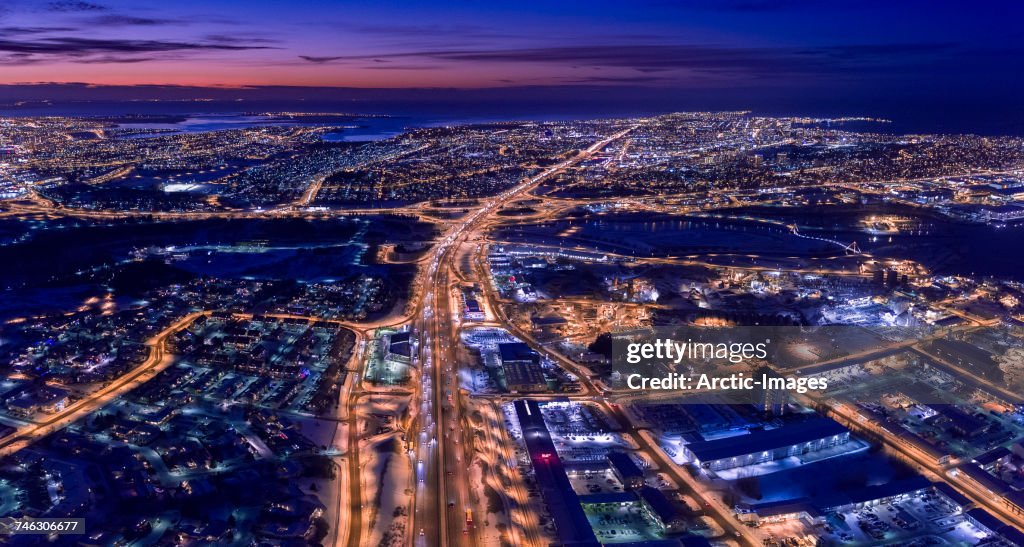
626,470
661,510
767,445
398,347
521,366
562,501
813,511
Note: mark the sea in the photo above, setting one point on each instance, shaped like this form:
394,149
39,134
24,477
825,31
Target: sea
374,121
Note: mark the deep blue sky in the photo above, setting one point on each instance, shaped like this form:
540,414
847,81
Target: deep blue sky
943,56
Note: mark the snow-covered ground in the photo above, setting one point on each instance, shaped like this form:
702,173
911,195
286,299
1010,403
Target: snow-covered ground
386,488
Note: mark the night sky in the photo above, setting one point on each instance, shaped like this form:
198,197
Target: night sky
930,54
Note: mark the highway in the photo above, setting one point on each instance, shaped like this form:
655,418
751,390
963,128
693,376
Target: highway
440,511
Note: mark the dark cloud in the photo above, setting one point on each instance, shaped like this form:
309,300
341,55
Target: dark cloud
618,80
378,64
663,57
115,20
17,59
113,59
404,31
320,60
9,31
71,6
241,39
97,50
654,58
86,46
391,66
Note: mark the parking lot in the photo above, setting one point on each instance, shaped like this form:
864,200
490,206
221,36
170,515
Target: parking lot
620,523
594,482
921,520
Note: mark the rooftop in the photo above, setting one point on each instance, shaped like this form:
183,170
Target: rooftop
771,439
